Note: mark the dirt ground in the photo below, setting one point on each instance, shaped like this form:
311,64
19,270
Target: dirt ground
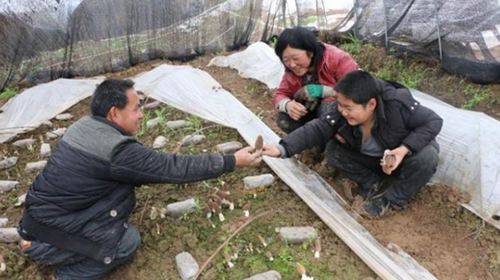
449,241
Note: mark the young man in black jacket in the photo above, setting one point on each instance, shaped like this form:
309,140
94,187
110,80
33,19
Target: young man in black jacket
377,130
77,209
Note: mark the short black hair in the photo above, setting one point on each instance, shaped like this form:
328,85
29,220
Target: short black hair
359,86
303,39
111,92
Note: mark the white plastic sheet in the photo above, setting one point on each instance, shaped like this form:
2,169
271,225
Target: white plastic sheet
469,158
258,61
32,107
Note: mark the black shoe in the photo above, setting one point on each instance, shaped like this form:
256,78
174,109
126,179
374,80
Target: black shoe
377,207
351,189
375,191
372,194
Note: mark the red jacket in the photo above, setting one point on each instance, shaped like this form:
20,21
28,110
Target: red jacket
334,65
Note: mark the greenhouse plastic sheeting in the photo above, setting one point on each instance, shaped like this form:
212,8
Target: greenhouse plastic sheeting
469,150
196,92
32,107
250,61
469,157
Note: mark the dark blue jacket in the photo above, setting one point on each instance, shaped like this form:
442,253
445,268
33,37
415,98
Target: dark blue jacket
86,192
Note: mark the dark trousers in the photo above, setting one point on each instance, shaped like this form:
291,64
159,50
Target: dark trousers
287,124
72,266
413,173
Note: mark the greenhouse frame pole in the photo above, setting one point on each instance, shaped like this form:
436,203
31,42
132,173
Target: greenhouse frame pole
439,31
386,27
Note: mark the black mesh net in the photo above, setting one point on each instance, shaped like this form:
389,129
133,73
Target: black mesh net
42,40
465,34
53,39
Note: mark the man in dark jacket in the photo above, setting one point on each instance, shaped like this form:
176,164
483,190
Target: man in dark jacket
377,130
77,209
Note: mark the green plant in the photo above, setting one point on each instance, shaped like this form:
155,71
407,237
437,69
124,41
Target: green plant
410,77
220,182
250,89
285,256
161,113
353,44
140,133
205,185
31,148
197,205
7,93
146,117
476,95
194,123
395,70
392,51
383,74
304,246
494,101
260,115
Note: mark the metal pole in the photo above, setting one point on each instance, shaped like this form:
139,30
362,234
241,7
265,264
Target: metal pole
355,15
386,27
439,31
324,12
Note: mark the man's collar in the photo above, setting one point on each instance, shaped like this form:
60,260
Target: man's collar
108,122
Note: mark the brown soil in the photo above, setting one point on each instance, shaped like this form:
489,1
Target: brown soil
449,241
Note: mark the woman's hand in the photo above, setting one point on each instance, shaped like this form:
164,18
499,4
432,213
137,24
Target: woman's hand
295,110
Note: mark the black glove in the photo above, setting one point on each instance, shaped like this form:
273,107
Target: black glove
309,95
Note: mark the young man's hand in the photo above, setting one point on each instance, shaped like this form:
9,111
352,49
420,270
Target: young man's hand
398,154
271,150
247,157
295,110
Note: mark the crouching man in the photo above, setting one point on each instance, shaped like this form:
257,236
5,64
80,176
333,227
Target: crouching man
376,131
77,210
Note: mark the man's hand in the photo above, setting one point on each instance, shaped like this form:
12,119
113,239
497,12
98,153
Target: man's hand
295,110
392,159
259,144
245,157
271,150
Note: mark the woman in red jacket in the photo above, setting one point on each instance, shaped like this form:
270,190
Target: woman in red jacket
311,70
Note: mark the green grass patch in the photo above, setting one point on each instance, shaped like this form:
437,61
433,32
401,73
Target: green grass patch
352,45
410,77
194,123
7,93
476,95
395,70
